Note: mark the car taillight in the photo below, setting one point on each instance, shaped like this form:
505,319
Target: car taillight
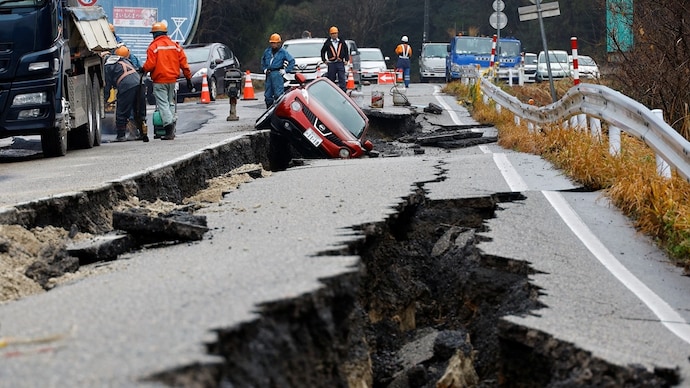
344,153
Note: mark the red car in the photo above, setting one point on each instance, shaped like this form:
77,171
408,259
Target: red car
318,120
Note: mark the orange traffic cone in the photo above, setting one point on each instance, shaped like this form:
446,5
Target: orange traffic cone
248,93
350,81
205,95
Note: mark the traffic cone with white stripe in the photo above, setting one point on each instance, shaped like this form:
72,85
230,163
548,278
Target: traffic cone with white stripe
248,92
205,95
350,81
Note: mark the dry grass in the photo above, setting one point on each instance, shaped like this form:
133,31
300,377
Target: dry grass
658,206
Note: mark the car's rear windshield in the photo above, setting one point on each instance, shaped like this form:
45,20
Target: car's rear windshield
340,107
197,55
304,50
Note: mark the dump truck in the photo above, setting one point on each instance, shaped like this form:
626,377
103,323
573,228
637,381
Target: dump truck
51,72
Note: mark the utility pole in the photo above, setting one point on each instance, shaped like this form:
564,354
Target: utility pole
425,36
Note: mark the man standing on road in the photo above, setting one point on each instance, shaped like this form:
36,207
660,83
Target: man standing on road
335,53
404,52
164,59
275,63
122,75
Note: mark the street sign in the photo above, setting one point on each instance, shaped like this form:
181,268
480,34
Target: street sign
530,12
498,20
499,5
386,78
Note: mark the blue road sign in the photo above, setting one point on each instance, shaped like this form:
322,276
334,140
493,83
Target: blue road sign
133,19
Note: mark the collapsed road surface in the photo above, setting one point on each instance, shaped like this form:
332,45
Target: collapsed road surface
457,265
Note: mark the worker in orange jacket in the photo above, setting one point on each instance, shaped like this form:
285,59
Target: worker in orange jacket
164,59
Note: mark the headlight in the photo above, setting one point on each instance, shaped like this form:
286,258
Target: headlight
30,99
296,106
201,72
39,66
344,153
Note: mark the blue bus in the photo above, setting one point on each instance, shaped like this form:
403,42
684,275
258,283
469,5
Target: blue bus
466,52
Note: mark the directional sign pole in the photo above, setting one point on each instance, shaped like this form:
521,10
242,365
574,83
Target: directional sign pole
546,51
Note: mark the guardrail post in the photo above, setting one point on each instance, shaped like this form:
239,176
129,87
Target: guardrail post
662,168
582,122
614,140
516,119
595,127
498,108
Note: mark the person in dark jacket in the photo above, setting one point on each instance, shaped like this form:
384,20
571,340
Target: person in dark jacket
122,75
275,63
336,54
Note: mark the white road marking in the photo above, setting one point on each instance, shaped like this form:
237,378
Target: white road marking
667,315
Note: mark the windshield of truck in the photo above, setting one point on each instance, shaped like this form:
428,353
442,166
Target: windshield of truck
338,106
509,49
21,3
196,55
435,50
305,50
473,45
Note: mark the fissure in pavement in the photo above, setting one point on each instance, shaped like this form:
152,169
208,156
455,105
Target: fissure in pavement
423,309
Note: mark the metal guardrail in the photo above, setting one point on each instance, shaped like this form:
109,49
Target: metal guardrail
609,106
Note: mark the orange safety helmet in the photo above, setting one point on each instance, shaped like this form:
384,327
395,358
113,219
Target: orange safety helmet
159,27
333,30
112,27
122,51
275,38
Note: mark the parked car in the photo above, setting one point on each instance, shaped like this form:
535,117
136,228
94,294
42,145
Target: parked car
530,67
373,63
560,68
432,61
317,120
212,59
586,67
307,54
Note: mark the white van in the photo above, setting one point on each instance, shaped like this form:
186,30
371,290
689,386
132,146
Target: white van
560,67
432,62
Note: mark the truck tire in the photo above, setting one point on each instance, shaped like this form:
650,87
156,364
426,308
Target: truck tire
54,142
96,93
83,137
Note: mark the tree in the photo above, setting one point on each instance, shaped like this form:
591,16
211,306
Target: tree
656,69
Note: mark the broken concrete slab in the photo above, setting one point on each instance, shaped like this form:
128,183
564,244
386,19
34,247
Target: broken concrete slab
101,248
172,226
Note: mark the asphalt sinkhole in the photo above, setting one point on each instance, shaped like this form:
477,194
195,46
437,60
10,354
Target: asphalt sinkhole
422,309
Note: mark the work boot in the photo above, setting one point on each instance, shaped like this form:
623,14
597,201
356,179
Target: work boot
169,132
121,136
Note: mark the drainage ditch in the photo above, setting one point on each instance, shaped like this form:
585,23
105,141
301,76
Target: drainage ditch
423,309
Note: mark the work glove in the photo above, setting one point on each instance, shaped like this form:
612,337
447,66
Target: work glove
190,86
282,72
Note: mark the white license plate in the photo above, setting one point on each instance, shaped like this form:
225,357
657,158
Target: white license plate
313,137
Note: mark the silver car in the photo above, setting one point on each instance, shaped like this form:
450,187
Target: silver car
372,62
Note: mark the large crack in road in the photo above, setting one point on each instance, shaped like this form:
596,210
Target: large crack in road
423,308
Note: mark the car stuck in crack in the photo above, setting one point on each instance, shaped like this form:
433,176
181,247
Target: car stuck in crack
317,120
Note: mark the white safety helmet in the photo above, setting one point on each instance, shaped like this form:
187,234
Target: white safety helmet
404,38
